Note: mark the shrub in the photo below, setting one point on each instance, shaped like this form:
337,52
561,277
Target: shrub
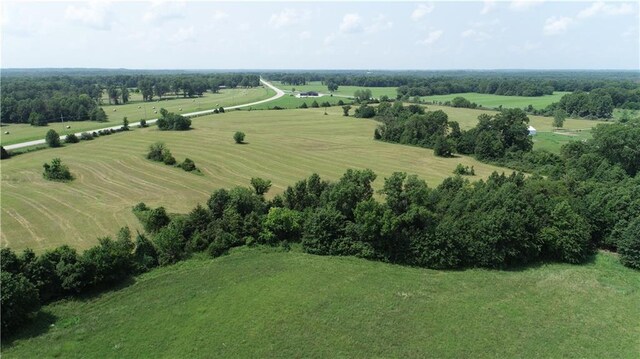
188,165
221,245
261,186
172,121
86,136
56,171
464,170
315,104
221,109
365,111
239,137
125,124
169,244
143,123
340,103
629,245
145,255
156,152
4,154
304,105
155,220
281,224
167,158
53,139
71,138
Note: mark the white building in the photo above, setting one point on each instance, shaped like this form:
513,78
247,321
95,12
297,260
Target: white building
532,130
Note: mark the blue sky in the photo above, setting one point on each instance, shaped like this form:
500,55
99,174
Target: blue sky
322,35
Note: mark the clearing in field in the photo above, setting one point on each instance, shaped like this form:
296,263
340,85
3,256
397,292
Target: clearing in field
112,173
137,110
261,303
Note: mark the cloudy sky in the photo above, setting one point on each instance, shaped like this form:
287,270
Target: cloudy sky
321,35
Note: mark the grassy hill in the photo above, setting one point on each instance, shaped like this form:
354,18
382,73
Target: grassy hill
112,173
264,303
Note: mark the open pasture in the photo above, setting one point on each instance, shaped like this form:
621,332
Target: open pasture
112,173
261,303
494,101
228,97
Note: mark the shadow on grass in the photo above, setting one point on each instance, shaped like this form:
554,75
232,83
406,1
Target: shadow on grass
535,265
41,324
44,320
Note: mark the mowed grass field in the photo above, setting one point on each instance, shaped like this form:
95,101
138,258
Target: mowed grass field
228,97
376,92
112,173
261,303
291,102
493,101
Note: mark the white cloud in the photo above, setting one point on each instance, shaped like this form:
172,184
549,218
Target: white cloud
351,23
161,12
476,35
487,7
379,23
421,11
305,35
329,39
219,15
288,17
600,7
524,5
94,15
184,34
432,37
557,25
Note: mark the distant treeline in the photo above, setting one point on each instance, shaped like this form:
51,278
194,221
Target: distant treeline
39,100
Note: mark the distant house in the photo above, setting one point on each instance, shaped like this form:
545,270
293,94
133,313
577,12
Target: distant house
532,130
308,94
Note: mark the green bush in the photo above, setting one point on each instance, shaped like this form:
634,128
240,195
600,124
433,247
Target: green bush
53,139
167,158
71,138
56,171
86,136
156,152
188,165
239,137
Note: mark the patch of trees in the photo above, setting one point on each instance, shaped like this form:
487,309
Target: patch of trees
172,121
493,137
159,152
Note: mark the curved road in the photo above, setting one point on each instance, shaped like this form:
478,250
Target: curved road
279,93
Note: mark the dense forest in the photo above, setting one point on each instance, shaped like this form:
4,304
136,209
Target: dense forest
42,99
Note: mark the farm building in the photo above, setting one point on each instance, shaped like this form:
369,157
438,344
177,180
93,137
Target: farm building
532,130
308,94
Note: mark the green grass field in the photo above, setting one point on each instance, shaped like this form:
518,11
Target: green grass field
112,173
376,92
553,141
493,101
261,303
23,132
